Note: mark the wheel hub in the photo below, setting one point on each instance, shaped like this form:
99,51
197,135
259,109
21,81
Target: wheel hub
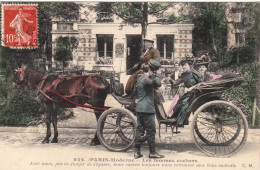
218,128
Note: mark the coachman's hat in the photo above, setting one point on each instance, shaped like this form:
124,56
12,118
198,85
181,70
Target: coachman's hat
148,39
154,64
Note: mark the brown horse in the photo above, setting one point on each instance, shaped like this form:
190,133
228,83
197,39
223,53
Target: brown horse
90,88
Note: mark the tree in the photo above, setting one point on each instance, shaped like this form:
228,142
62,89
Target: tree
215,28
53,10
134,13
63,49
231,37
210,29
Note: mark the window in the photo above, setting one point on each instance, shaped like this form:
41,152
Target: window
165,45
104,49
65,26
104,17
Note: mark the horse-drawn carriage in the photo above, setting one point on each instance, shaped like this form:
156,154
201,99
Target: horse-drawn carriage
218,128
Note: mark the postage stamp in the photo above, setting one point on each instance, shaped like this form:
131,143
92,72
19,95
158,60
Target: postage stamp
20,26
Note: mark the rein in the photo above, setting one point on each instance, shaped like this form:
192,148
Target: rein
69,101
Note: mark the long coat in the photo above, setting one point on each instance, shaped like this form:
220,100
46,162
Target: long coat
153,53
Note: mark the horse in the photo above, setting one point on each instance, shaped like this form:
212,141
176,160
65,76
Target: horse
90,88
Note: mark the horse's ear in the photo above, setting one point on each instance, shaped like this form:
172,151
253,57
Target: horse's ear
24,67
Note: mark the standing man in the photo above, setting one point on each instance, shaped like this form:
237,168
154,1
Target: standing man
148,53
146,83
175,75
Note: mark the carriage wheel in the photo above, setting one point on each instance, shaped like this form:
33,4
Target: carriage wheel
219,128
116,129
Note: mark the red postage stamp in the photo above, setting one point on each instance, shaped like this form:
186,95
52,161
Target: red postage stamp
20,26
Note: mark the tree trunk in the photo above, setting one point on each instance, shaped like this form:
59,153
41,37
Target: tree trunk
258,59
144,22
213,39
231,36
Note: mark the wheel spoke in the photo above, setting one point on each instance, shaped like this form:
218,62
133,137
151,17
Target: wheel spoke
219,128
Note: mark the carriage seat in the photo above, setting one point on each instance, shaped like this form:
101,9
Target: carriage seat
123,100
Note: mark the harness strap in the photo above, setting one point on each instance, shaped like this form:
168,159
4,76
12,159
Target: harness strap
48,97
76,104
43,81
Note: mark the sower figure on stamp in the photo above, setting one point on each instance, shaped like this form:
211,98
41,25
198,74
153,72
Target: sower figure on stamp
148,53
146,83
17,24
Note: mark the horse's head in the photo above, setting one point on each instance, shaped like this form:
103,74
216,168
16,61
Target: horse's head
19,78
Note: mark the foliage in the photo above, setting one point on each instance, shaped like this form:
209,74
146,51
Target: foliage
210,33
133,13
63,49
245,95
242,54
18,108
53,10
210,29
103,60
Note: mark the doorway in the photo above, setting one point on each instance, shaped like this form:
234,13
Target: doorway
133,51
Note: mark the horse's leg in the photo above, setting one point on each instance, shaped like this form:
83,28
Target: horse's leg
47,110
54,123
96,103
95,140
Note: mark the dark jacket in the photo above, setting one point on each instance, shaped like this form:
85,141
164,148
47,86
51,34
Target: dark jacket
189,78
145,89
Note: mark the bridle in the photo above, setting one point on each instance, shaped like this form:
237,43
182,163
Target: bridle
21,72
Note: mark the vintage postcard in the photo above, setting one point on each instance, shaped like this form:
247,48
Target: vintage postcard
129,85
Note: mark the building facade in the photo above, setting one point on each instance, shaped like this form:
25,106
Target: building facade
106,44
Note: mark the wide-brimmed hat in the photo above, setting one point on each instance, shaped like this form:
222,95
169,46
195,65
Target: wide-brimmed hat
199,63
188,60
148,39
203,60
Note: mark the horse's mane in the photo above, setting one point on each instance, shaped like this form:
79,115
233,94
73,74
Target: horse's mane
34,77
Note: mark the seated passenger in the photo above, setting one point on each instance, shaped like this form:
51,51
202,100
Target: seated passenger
202,66
190,78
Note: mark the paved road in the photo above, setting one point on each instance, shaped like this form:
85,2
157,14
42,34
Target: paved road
21,148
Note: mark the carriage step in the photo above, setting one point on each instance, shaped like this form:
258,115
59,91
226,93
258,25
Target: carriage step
168,121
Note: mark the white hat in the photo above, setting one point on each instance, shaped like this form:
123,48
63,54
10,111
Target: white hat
148,39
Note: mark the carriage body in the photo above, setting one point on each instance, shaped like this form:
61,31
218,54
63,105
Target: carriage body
218,128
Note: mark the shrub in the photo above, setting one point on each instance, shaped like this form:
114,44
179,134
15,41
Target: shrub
244,96
19,108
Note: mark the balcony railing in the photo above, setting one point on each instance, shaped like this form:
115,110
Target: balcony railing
104,17
65,26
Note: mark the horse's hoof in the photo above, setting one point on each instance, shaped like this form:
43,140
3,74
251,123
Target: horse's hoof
95,142
45,141
54,141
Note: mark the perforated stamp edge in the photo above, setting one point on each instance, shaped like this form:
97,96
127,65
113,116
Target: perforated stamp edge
2,24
